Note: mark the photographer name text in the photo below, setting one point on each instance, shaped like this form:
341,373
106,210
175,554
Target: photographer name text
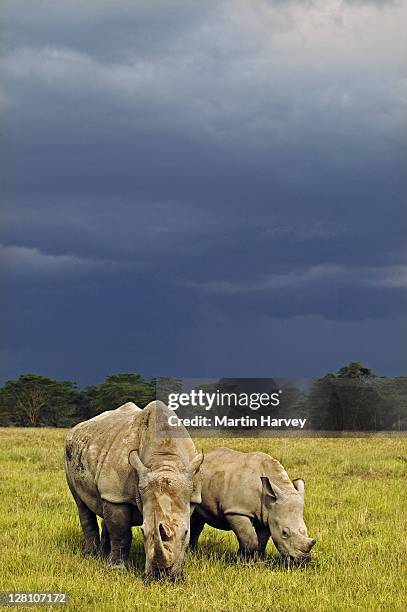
244,421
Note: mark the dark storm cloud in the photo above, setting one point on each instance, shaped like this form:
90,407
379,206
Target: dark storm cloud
103,28
379,3
173,170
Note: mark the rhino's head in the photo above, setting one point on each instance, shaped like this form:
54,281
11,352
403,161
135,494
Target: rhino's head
285,518
168,497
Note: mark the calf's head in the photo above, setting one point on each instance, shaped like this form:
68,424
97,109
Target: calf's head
168,496
284,512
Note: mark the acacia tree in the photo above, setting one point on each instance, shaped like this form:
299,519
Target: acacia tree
356,371
24,399
357,399
35,400
346,400
325,409
31,400
118,389
355,387
390,405
163,386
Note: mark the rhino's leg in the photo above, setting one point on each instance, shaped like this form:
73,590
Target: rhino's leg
263,535
105,541
90,528
245,533
197,524
118,524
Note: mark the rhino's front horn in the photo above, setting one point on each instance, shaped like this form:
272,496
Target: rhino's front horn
160,555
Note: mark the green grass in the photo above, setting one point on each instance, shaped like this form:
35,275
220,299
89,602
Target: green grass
356,507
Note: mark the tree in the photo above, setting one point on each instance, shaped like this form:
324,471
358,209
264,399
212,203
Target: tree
293,403
356,399
355,388
118,389
34,400
343,401
325,408
390,403
355,370
163,386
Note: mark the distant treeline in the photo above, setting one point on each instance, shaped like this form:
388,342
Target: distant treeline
38,401
353,399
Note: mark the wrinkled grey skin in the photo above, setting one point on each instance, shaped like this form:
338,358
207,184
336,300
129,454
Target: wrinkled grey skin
251,494
130,467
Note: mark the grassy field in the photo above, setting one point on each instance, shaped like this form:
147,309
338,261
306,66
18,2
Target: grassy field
356,507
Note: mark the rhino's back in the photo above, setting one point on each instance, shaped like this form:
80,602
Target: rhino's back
97,451
95,448
161,442
232,484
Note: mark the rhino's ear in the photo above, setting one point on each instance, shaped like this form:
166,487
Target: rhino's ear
196,497
138,465
195,465
270,491
299,484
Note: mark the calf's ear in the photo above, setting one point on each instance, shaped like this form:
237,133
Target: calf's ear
270,491
196,497
299,484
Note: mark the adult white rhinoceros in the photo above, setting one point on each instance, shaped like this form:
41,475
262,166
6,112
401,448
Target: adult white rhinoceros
251,494
131,467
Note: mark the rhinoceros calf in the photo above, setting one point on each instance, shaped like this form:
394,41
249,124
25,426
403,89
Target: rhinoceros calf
251,494
131,467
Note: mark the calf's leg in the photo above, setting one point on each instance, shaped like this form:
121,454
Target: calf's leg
197,524
245,533
263,535
118,524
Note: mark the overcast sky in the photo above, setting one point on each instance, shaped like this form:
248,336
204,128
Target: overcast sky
203,188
